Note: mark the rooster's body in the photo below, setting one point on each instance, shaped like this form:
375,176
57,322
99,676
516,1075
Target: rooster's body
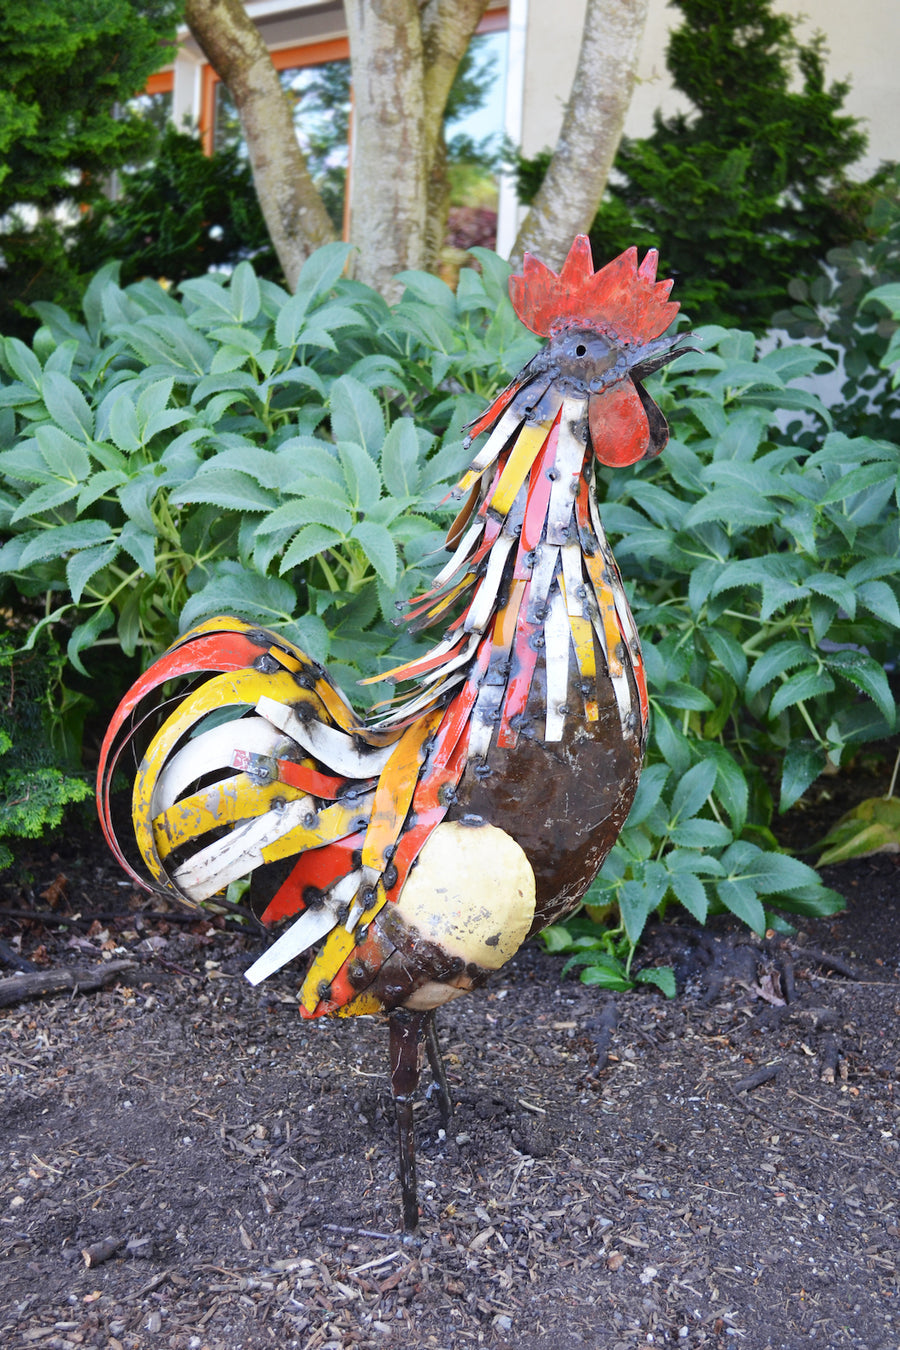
422,849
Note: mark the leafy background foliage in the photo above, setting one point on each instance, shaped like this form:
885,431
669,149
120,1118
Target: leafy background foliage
829,310
167,460
41,778
750,186
179,215
66,65
285,458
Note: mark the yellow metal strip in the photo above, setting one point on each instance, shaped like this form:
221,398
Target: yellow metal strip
337,948
335,822
585,656
224,803
339,709
342,714
529,443
240,686
363,1005
583,642
606,602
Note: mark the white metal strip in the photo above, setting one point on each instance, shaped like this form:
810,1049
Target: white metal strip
570,452
303,932
311,925
465,546
485,598
212,750
558,639
542,574
239,851
577,588
484,720
329,746
498,437
401,712
462,657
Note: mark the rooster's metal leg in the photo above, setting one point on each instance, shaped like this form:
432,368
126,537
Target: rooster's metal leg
436,1064
407,1031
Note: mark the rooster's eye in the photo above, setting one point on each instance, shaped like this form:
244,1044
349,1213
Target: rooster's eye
580,349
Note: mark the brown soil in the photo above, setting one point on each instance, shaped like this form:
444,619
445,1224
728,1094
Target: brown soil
610,1179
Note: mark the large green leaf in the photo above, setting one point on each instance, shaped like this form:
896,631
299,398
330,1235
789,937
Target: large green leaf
356,415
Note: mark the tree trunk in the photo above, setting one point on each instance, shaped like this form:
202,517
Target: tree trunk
292,208
404,56
387,207
437,205
447,29
592,128
404,60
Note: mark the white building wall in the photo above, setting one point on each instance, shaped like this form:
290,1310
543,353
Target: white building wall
863,41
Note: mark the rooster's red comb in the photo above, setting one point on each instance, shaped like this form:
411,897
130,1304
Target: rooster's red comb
622,298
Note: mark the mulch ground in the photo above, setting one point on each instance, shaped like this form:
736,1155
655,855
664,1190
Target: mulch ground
185,1164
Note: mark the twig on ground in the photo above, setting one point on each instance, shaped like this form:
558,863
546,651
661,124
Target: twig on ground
11,957
823,959
758,1077
18,988
101,1251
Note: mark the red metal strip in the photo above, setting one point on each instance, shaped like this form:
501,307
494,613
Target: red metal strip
494,411
518,686
317,784
538,496
317,867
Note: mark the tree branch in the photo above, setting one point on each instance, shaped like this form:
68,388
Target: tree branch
292,208
447,29
592,128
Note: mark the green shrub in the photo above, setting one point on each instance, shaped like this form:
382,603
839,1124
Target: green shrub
749,186
285,458
166,461
838,310
69,71
179,215
35,787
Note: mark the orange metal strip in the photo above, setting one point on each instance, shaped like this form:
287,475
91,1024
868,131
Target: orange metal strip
395,789
431,609
412,669
506,619
606,603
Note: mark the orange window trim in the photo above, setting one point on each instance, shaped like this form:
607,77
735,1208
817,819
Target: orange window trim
161,83
283,58
299,55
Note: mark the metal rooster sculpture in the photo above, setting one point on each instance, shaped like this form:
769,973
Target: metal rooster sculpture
420,850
